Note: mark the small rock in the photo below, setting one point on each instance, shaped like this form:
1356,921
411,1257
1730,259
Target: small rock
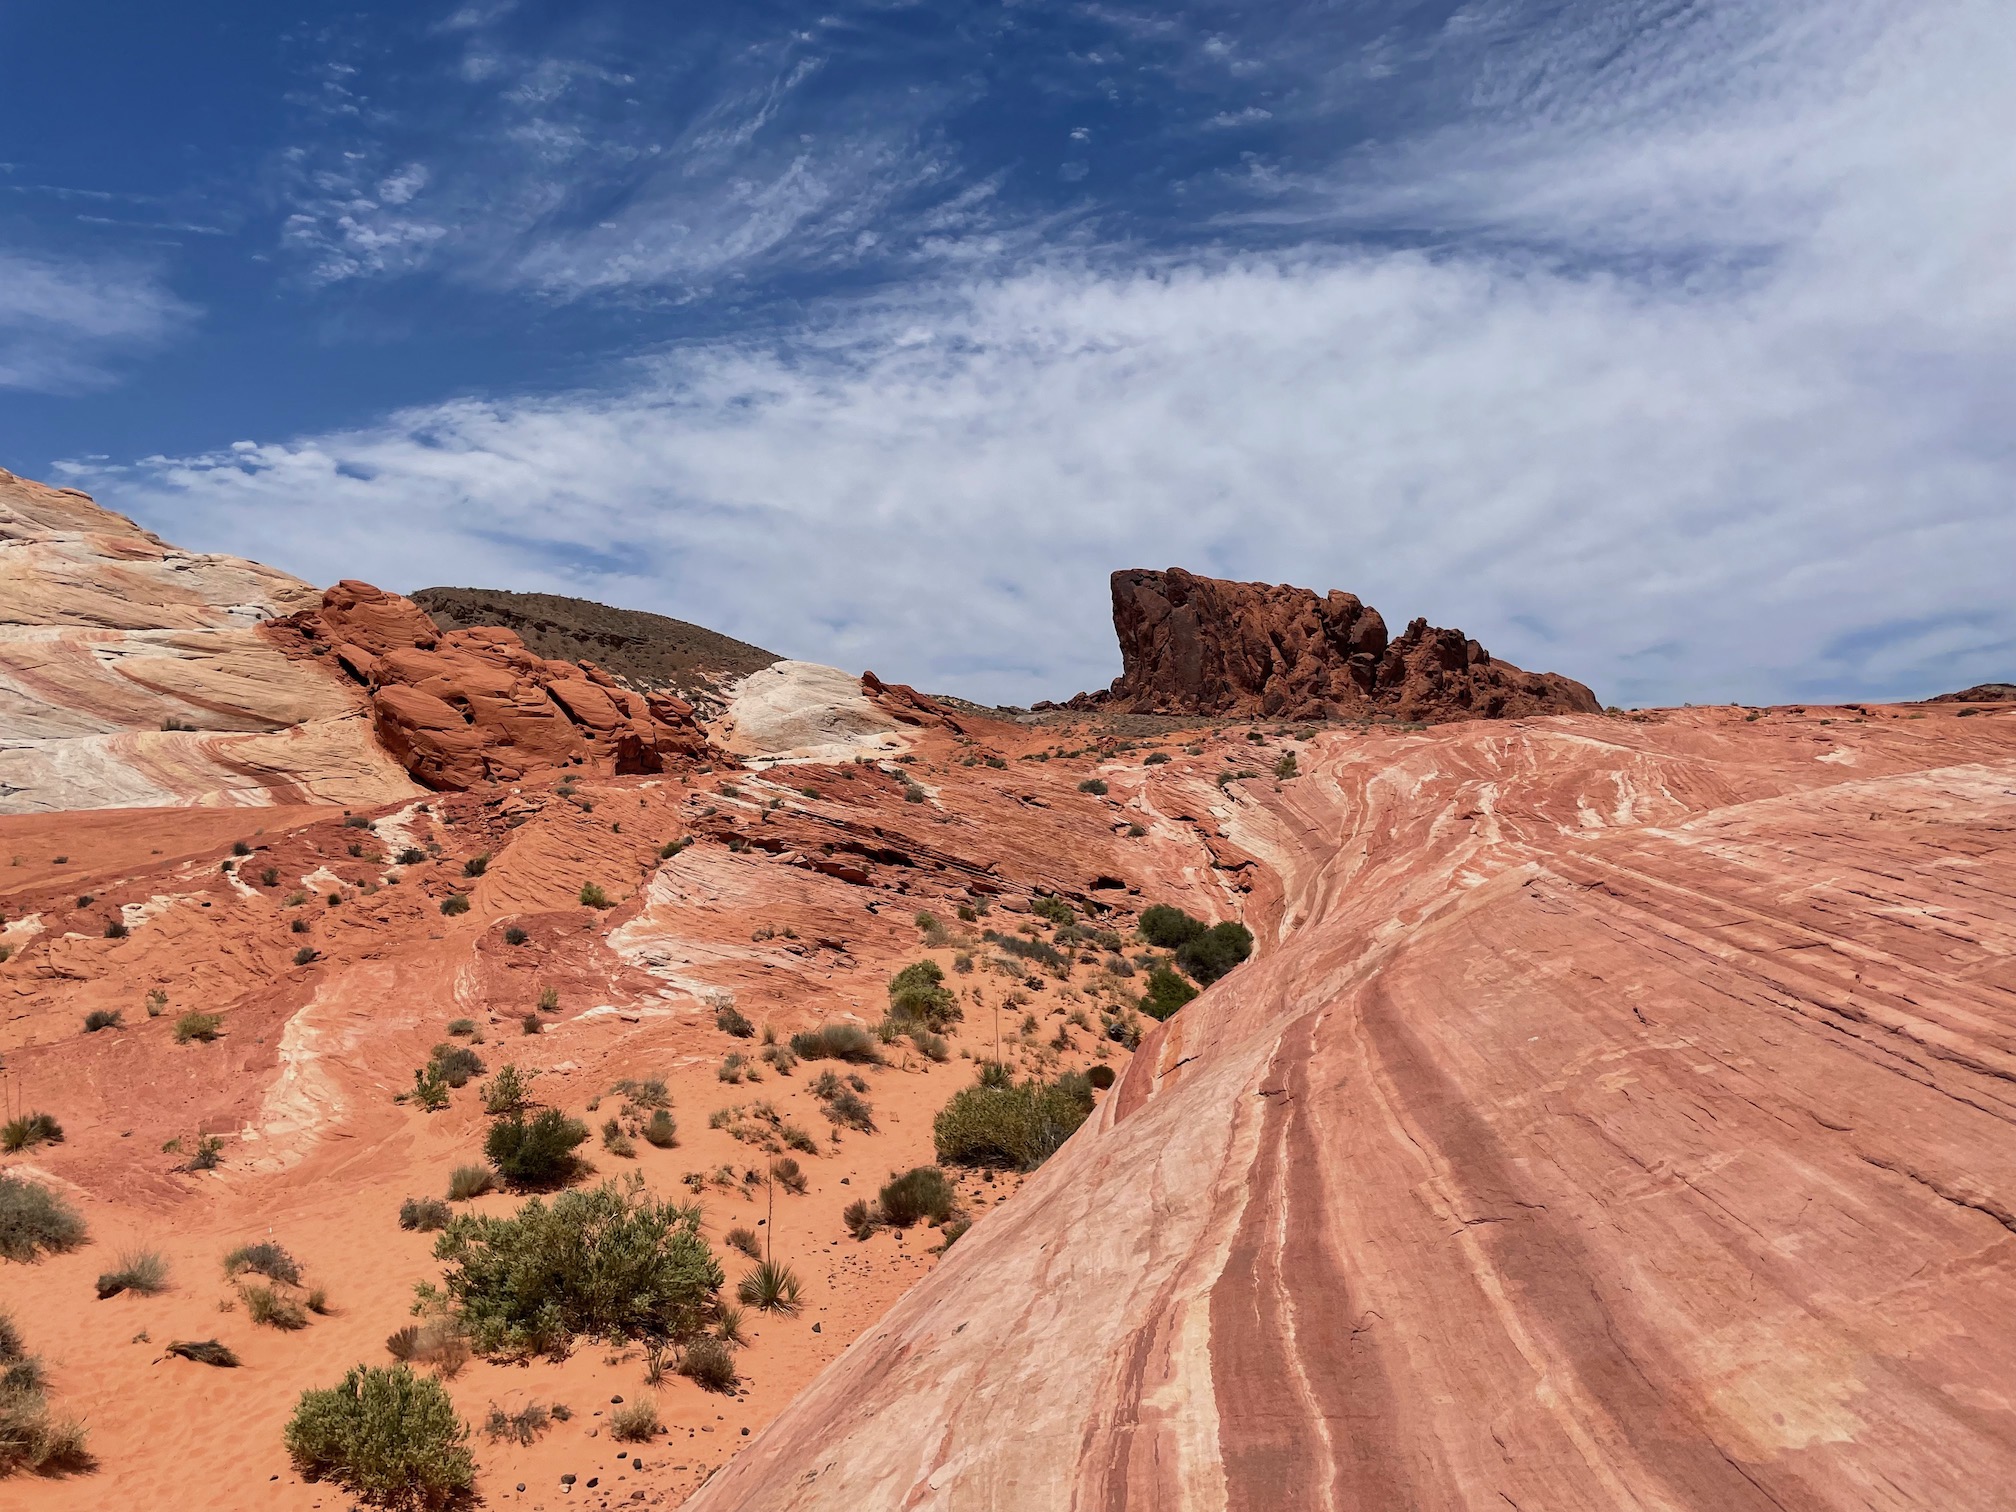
745,1433
567,1479
616,1401
594,1481
815,1328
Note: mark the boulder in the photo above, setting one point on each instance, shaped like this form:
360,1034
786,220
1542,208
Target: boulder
1199,645
475,705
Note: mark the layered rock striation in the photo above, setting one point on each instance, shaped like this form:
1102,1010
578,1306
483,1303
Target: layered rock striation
133,673
472,706
1619,1115
1207,646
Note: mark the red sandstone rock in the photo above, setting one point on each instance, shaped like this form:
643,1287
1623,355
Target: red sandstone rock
1198,645
907,704
474,705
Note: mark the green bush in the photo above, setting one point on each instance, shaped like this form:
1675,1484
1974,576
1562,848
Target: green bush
455,1064
1056,910
592,896
731,1021
34,1221
515,936
916,1195
1155,758
608,1262
1286,766
535,1154
386,1436
861,1217
455,903
1212,954
1168,928
1096,786
266,1258
660,1131
842,1042
918,992
462,1028
1018,1126
198,1026
509,1091
101,1018
269,1308
140,1271
771,1287
29,1130
1166,993
424,1214
743,1238
29,1440
412,856
475,866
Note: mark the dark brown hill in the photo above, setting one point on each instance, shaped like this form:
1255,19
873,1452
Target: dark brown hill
641,649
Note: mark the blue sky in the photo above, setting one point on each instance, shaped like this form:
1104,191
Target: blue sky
1665,344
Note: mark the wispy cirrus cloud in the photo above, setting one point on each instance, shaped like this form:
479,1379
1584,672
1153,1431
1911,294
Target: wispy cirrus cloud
64,324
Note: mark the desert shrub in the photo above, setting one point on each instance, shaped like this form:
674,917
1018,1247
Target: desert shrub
297,926
660,1131
412,856
356,821
1099,1078
475,866
609,1262
729,1019
515,936
1040,951
919,992
29,1130
847,1108
455,903
29,1439
1018,1126
532,1024
266,1259
520,1427
424,1214
735,1067
455,1064
771,1287
1166,993
744,1239
1210,955
386,1436
469,1181
439,1342
650,1092
267,1307
198,1026
1167,927
1155,758
1286,767
157,1000
549,999
430,1089
205,1352
1056,910
115,929
462,1028
672,848
205,1152
508,1091
616,1142
141,1271
861,1217
932,1046
35,1221
592,896
710,1364
270,876
842,1042
305,956
789,1174
536,1153
914,1196
1096,786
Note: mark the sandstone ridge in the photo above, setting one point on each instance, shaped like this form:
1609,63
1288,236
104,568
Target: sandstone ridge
474,705
1207,646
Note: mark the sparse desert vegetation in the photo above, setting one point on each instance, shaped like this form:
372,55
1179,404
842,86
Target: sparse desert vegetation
386,1436
35,1221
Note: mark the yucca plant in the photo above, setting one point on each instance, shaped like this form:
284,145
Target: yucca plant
771,1287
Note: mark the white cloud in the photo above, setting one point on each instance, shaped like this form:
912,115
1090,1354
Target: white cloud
63,323
1710,403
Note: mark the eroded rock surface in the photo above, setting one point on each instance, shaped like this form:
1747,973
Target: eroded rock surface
1199,645
132,673
474,705
1618,1116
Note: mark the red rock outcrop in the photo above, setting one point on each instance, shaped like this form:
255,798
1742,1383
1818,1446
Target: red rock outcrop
1198,645
1619,1115
907,704
474,705
1979,693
